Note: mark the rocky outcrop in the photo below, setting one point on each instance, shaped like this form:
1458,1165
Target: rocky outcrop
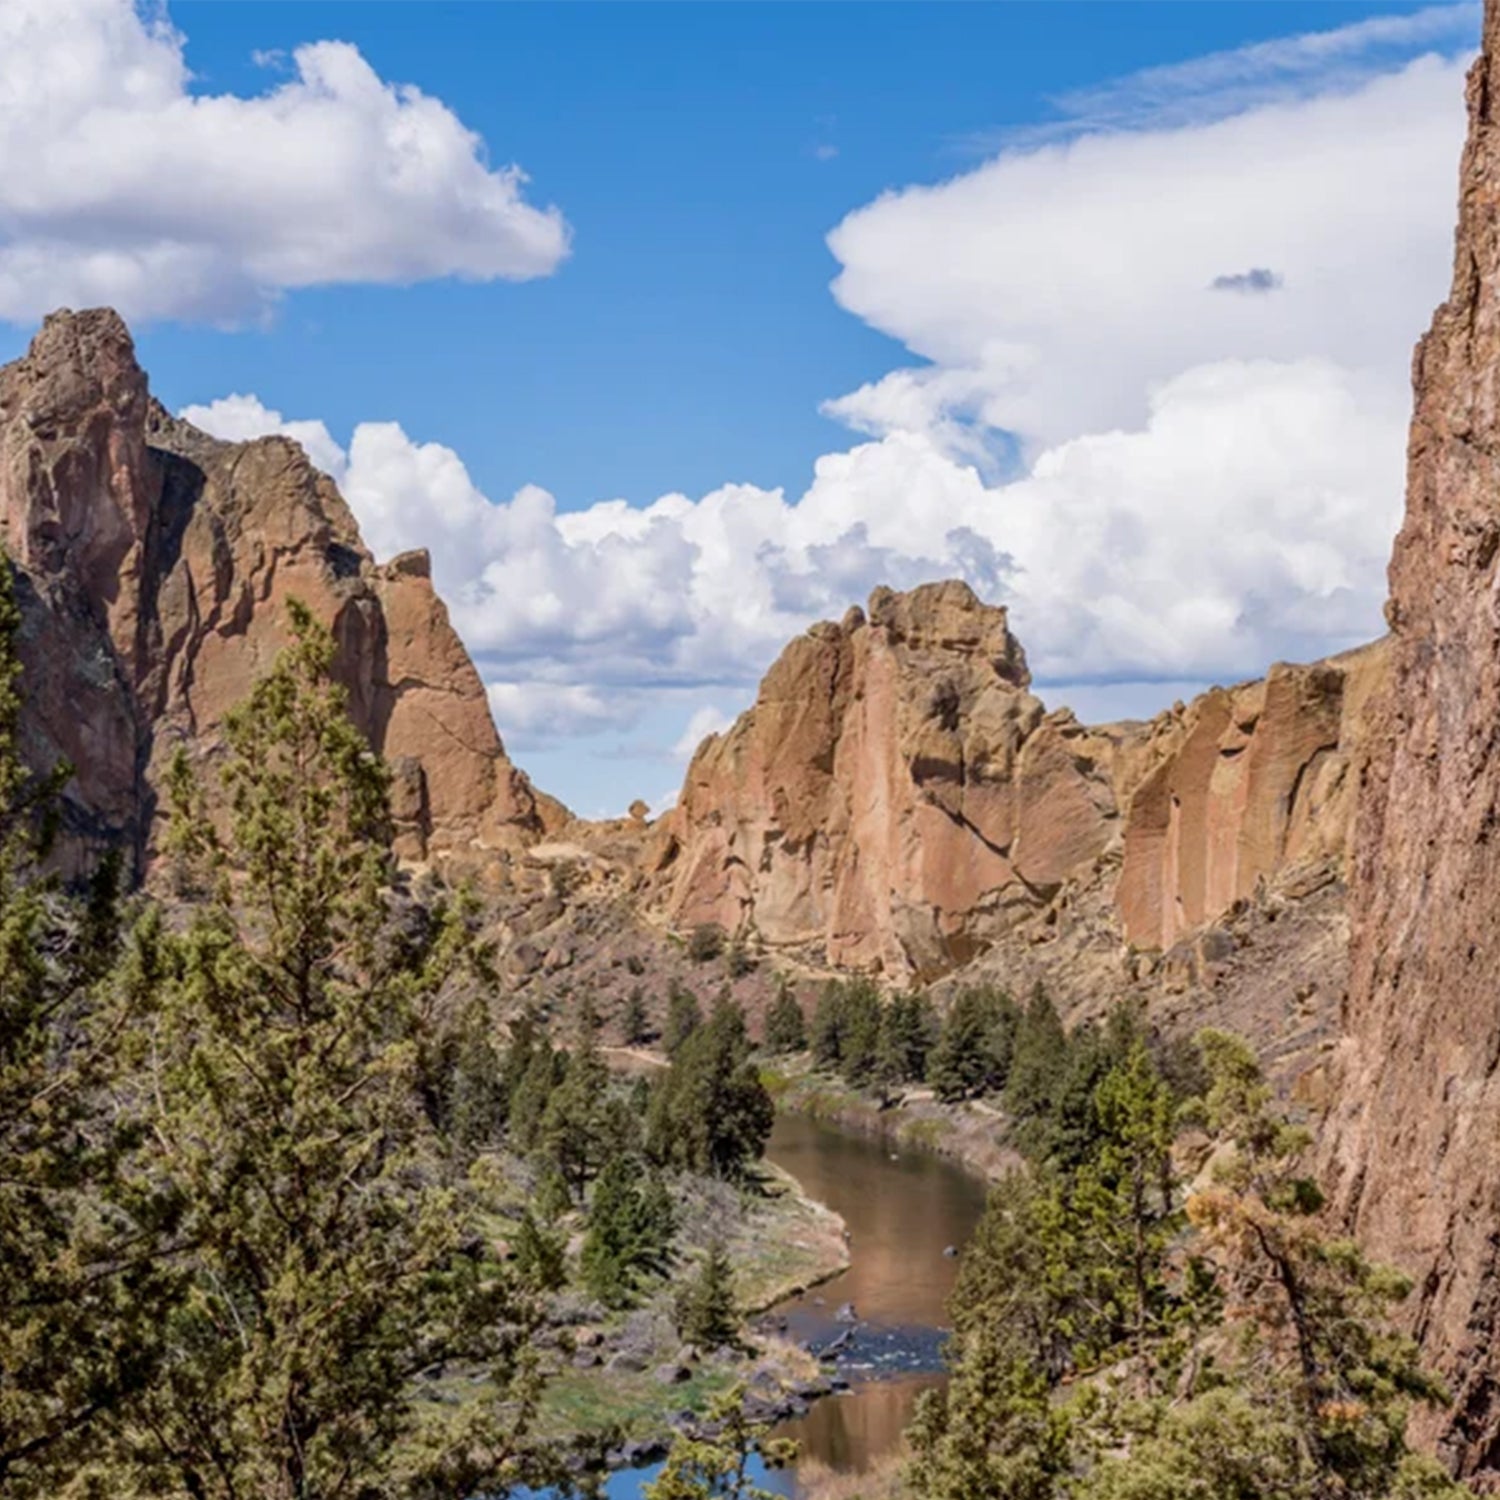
155,564
898,800
1415,1135
1247,785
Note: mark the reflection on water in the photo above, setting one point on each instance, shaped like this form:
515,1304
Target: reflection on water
848,1433
903,1210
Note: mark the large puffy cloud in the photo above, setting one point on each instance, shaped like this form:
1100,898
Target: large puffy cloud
1161,415
122,185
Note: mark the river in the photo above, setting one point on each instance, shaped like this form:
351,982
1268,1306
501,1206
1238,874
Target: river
904,1209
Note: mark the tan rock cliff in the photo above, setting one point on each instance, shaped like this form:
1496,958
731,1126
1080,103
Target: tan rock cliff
898,800
156,563
1415,1133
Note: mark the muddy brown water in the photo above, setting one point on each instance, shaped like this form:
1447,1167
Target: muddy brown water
903,1210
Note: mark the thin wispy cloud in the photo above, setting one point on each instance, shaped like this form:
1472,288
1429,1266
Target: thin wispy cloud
1221,84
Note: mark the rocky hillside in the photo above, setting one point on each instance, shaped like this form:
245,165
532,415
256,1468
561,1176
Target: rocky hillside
1416,1131
156,563
898,800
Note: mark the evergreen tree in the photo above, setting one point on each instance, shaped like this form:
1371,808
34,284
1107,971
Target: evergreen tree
85,1282
545,1070
631,1224
578,1128
684,1018
825,1034
540,1254
972,1055
706,1312
1039,1063
283,1040
906,1032
786,1028
552,1198
859,1031
711,1114
714,1464
476,1107
635,1025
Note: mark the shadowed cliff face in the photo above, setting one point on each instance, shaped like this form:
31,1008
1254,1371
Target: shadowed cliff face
155,568
1416,1133
898,800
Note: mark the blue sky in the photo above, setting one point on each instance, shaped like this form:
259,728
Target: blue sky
700,155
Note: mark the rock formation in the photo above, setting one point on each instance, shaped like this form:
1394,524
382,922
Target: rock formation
898,800
155,565
1416,1130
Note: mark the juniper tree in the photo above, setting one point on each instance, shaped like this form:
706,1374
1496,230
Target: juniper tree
710,1113
282,1049
684,1017
706,1312
786,1027
81,1246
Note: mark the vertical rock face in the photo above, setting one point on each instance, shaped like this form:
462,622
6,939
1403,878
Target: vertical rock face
1417,1135
156,564
1248,784
897,799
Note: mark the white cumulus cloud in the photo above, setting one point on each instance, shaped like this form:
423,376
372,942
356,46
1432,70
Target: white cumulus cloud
123,185
1157,406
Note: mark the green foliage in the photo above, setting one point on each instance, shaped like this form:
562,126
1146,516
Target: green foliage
705,942
824,1032
717,1468
786,1027
684,1017
710,1113
578,1129
1039,1062
1249,1353
706,1312
631,1225
528,1103
907,1029
540,1254
81,1243
635,1024
283,1041
975,1046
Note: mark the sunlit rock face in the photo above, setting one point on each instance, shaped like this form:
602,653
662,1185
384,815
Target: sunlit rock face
899,800
155,568
1415,1135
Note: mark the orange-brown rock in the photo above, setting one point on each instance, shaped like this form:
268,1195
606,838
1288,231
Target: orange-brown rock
898,800
1247,785
1415,1132
155,567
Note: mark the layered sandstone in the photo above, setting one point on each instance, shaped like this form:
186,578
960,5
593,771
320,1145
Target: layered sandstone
155,565
899,800
1416,1130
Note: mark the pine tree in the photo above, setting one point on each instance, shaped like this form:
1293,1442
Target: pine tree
859,1031
684,1017
631,1224
825,1034
971,1057
576,1127
710,1113
539,1254
85,1281
528,1103
635,1025
1039,1063
786,1027
283,1040
706,1312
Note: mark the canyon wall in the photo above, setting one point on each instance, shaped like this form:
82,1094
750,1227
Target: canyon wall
898,799
1415,1133
154,568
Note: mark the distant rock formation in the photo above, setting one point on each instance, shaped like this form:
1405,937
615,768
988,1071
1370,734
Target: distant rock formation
898,799
156,563
1415,1132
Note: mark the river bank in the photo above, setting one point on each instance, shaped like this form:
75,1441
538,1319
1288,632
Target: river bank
968,1134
